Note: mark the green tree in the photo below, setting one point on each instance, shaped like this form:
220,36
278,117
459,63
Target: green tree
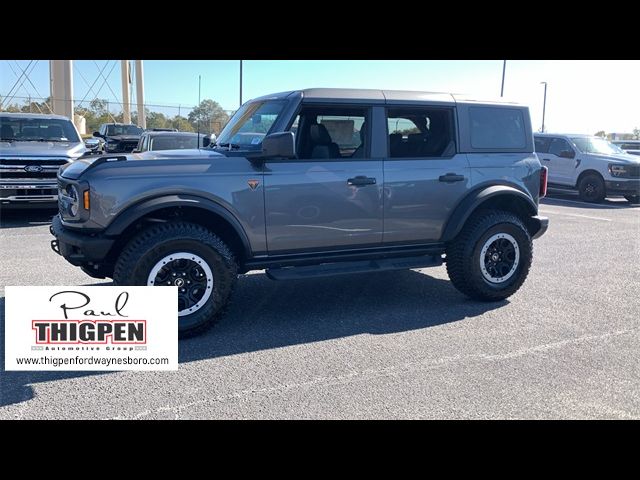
181,123
157,120
601,133
210,115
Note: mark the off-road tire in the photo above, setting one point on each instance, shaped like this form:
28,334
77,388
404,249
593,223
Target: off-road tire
463,255
147,248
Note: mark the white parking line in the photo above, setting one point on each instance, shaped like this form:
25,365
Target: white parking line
554,212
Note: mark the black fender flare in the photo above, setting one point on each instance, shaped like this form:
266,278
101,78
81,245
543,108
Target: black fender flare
135,212
476,198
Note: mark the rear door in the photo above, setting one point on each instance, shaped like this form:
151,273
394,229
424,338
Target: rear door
425,177
330,196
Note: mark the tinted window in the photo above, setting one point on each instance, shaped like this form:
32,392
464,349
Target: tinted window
420,132
558,145
123,130
497,128
36,129
173,142
542,144
331,132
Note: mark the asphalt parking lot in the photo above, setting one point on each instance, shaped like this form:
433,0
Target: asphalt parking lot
399,344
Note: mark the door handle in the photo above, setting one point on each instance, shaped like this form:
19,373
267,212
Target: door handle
546,159
451,177
361,180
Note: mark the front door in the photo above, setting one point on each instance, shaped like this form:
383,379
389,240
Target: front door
561,169
330,196
424,176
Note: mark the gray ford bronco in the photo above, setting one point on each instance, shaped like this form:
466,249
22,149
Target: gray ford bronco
312,183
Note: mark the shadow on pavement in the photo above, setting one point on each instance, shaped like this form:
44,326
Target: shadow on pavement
571,199
266,314
26,217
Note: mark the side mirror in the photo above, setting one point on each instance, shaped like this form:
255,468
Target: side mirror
206,141
97,134
567,154
281,144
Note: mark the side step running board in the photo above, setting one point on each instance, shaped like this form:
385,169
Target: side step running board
346,268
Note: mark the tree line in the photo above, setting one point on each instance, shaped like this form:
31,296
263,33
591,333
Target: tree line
208,116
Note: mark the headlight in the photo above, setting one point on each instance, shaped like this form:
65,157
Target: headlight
74,204
619,170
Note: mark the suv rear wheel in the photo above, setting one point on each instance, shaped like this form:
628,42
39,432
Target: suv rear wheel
490,259
188,256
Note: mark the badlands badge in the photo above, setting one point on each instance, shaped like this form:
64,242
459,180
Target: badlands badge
91,328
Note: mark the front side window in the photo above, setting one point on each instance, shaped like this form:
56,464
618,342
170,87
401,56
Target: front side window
497,128
559,145
420,132
595,145
250,124
115,130
37,129
331,132
542,144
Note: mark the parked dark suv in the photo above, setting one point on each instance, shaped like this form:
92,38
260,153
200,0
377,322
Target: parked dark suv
118,137
371,180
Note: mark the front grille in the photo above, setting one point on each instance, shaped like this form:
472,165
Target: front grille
634,171
46,175
18,168
33,161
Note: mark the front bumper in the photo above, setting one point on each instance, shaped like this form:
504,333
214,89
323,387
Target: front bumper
541,224
78,248
28,193
623,187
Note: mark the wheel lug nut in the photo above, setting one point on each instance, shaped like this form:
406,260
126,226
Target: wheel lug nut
173,274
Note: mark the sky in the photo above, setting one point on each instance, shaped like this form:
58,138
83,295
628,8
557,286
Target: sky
582,96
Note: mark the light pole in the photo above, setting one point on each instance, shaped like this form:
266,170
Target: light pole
504,69
544,104
240,83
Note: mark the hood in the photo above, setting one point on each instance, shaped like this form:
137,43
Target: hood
77,168
625,158
42,149
123,138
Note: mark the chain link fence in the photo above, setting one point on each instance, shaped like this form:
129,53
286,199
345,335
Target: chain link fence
90,114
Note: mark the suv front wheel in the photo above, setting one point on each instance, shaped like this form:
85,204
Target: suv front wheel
189,257
490,259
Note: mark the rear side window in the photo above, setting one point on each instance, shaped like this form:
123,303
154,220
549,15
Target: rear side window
420,132
497,128
542,144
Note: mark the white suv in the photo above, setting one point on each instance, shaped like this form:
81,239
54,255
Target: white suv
591,165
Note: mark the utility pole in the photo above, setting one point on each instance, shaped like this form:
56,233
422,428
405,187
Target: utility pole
504,69
240,83
61,75
142,117
544,104
126,107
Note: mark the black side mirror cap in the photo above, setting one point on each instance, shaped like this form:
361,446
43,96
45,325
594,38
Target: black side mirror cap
280,144
97,134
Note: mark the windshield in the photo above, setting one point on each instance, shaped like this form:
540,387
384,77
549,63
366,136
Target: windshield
595,145
123,130
250,124
37,129
173,142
